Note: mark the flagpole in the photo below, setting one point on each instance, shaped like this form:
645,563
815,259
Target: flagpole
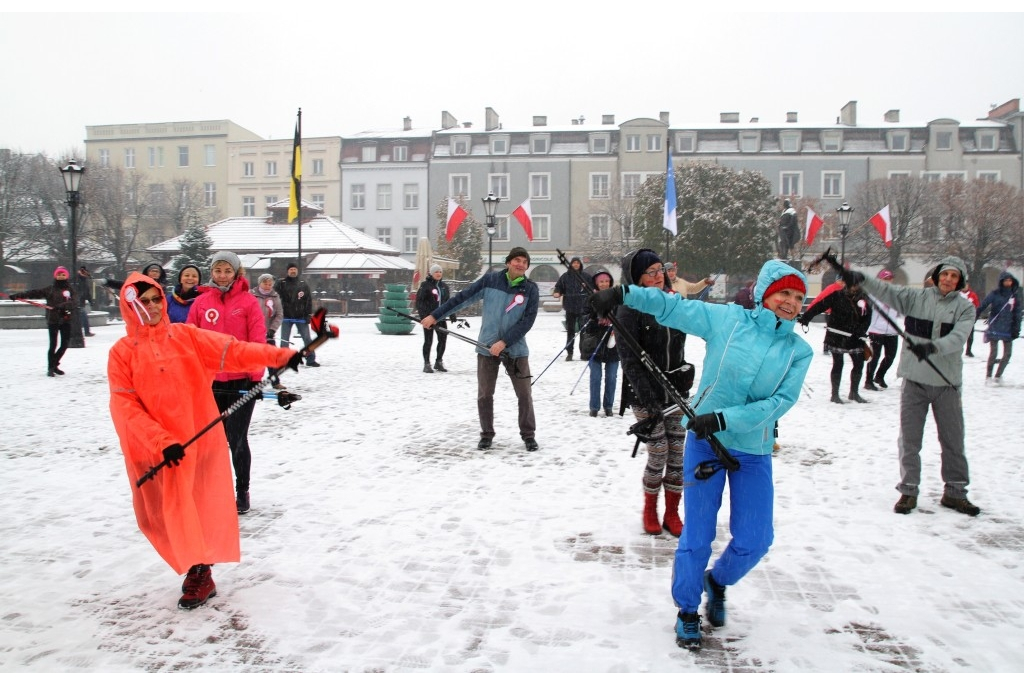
295,199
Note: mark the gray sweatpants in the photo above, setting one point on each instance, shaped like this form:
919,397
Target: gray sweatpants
487,378
947,409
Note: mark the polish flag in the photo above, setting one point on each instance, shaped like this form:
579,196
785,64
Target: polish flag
525,218
456,215
881,222
814,224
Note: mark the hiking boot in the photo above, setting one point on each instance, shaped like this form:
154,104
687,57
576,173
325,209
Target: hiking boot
484,444
278,386
531,444
961,504
568,357
198,587
438,366
905,504
593,412
427,369
716,601
607,411
242,502
50,373
880,382
854,396
57,371
835,398
312,364
688,630
869,385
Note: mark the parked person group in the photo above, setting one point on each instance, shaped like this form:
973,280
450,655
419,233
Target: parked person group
573,295
297,300
598,346
1004,315
845,334
60,303
510,303
432,293
184,293
884,338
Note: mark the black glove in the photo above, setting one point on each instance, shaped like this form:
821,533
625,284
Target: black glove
804,320
849,277
295,361
645,428
173,454
923,350
605,301
453,318
270,337
704,425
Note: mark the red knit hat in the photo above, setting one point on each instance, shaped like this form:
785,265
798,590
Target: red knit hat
790,281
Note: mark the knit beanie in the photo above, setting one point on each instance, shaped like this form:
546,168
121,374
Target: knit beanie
225,256
61,270
190,266
434,268
642,261
518,252
265,277
885,275
789,281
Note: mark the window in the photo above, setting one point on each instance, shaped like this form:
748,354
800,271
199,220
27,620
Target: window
943,140
540,186
156,157
987,141
958,175
271,168
269,200
182,155
210,194
898,141
931,176
541,227
789,141
460,146
686,142
899,174
654,142
318,200
501,228
630,184
358,200
498,184
599,185
992,176
384,234
411,196
129,158
383,196
599,144
750,142
832,184
369,153
499,145
210,155
930,229
633,143
410,239
104,157
789,183
539,144
400,153
599,227
458,185
831,141
318,167
248,205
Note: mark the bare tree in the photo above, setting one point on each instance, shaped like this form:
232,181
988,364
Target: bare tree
117,206
907,199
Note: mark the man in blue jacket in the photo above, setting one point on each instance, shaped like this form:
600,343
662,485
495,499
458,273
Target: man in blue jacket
510,303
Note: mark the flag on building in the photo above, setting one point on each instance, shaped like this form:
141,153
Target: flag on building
814,224
883,225
525,218
456,215
295,198
670,222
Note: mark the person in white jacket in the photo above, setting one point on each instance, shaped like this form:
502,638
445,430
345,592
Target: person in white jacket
884,338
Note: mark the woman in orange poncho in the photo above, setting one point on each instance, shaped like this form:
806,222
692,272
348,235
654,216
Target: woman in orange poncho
188,512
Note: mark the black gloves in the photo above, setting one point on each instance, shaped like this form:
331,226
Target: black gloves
173,454
294,362
270,337
605,301
849,277
804,320
923,350
703,425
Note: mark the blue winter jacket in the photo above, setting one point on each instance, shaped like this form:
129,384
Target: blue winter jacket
1004,309
508,310
755,363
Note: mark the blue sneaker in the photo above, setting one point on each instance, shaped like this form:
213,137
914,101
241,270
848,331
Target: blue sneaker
716,600
688,630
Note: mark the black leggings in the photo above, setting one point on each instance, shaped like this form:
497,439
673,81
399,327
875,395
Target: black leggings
880,343
428,340
56,353
857,370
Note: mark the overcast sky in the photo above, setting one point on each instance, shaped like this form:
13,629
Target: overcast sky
353,68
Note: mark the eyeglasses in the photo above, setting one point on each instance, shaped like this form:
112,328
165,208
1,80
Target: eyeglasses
654,272
146,301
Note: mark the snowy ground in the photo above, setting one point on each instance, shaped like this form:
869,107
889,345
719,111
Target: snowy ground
381,540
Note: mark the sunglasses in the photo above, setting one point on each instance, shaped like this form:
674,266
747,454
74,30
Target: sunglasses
146,301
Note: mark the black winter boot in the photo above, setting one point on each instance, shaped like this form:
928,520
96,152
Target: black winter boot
835,393
854,385
426,367
438,366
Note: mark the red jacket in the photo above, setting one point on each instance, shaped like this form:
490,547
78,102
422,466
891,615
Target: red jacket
235,312
160,379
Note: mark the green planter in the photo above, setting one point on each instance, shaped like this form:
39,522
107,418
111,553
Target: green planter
397,298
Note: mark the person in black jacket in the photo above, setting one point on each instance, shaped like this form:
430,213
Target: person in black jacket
432,293
665,434
597,343
60,303
297,301
573,295
846,333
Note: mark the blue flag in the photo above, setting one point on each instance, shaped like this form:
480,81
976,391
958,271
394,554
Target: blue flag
670,198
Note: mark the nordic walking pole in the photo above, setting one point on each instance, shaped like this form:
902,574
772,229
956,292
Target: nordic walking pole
559,353
324,332
592,355
458,336
18,299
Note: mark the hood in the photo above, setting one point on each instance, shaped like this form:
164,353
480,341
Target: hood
133,319
604,271
1006,274
773,270
627,263
954,263
163,274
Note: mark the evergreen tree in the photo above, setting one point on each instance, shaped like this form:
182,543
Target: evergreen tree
466,245
196,248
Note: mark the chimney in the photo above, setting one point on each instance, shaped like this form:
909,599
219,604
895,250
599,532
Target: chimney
607,119
729,118
491,120
754,120
448,121
790,117
1004,110
848,114
664,117
581,120
575,122
467,124
407,124
540,121
892,116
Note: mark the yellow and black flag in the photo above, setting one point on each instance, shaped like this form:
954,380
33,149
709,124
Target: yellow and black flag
295,199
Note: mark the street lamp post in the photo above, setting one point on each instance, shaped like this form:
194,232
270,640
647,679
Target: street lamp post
490,209
72,174
845,211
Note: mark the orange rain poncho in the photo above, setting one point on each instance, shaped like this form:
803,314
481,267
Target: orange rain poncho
160,394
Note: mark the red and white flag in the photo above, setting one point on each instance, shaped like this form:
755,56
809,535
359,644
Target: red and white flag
525,218
456,215
882,222
814,224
